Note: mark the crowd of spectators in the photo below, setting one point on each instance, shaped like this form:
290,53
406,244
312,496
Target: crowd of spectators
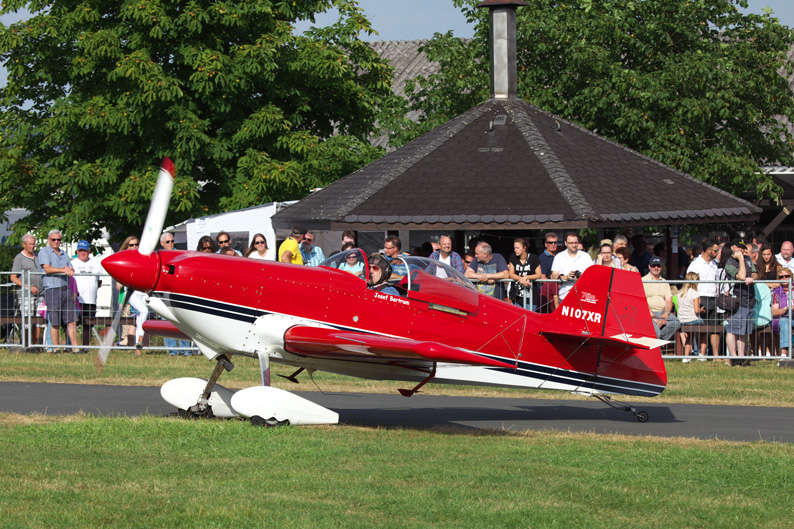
687,312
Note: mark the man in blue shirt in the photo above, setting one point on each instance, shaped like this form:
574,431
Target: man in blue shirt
312,255
488,269
61,308
447,255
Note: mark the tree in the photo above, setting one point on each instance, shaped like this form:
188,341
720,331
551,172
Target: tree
99,90
696,85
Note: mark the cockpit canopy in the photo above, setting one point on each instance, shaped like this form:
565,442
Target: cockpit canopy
415,277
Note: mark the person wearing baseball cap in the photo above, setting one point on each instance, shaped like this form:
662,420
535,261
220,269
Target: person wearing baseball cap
87,272
289,251
739,267
660,301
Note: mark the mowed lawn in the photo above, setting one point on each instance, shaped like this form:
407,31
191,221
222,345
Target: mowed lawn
761,384
156,472
146,472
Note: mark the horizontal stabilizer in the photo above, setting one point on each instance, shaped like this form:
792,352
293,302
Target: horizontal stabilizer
163,328
335,343
640,342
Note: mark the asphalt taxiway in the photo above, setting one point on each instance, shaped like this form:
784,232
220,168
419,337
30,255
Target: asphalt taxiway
735,423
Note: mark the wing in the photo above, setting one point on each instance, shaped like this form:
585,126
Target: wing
351,345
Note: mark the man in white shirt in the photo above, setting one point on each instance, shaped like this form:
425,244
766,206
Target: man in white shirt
784,258
569,265
87,285
705,266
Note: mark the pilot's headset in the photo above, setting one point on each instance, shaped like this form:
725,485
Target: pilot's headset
381,262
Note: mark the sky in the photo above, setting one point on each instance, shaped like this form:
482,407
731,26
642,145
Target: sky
420,19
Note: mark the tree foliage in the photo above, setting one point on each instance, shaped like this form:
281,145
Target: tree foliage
695,84
99,90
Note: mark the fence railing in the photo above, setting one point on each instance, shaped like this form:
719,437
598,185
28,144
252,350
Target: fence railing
763,341
25,320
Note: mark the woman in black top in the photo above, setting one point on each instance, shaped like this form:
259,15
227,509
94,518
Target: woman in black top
523,268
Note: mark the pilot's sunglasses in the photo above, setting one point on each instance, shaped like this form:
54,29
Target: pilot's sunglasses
132,245
223,241
55,240
259,242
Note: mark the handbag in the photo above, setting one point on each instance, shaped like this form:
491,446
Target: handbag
727,301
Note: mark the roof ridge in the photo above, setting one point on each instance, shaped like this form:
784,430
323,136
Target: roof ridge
556,170
417,149
639,154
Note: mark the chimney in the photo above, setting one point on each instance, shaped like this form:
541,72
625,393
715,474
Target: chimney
502,46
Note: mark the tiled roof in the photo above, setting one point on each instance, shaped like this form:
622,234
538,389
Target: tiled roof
506,164
406,60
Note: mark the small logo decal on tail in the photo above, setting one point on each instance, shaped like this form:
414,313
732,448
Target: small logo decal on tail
587,297
580,314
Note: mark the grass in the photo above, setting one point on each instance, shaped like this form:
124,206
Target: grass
153,472
762,384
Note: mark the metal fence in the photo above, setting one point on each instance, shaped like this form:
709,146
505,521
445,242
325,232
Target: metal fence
710,334
24,321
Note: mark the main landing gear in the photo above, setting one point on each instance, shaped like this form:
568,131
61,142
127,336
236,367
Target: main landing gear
428,378
202,409
641,415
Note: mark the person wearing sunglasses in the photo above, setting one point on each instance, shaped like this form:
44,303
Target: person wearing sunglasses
136,305
781,301
311,254
379,272
61,307
206,245
167,241
258,248
225,244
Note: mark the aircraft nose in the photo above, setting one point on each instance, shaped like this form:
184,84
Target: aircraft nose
130,268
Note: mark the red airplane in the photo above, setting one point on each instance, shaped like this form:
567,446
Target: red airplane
430,324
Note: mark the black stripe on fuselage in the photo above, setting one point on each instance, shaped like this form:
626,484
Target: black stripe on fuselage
593,383
527,369
558,374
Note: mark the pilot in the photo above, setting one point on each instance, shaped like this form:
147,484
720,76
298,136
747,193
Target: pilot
379,272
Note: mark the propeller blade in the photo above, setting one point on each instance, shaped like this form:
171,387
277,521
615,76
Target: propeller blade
146,245
158,208
110,335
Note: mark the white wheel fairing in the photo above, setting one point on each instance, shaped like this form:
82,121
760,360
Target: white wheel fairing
185,392
269,402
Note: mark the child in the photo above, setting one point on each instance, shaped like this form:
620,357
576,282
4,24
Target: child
689,310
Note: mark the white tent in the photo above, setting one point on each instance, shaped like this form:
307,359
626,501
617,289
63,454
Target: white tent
241,224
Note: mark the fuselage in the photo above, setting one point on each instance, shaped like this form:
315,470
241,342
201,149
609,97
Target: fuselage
234,305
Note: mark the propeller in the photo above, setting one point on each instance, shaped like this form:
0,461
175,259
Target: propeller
144,276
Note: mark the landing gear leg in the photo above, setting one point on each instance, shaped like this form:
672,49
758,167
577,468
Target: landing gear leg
411,392
641,415
292,378
202,407
264,367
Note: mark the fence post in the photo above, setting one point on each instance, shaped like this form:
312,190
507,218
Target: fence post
790,355
24,301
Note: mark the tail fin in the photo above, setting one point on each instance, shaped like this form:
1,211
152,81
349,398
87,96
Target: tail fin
607,308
